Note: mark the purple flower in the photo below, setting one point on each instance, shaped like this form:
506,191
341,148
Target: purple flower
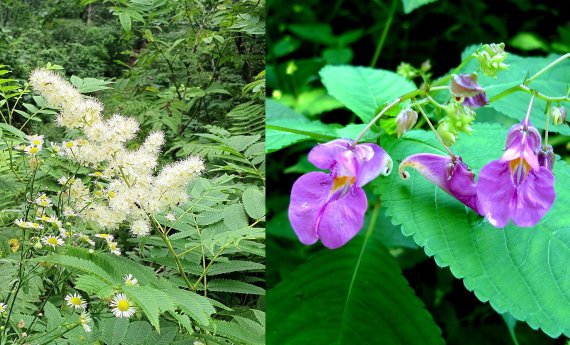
520,185
465,86
331,207
449,173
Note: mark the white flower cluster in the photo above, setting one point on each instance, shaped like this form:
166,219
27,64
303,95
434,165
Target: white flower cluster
129,189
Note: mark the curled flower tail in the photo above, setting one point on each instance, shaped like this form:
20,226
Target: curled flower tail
449,174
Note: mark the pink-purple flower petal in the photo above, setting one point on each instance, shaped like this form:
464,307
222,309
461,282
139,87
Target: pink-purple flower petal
308,197
451,175
325,156
342,219
377,163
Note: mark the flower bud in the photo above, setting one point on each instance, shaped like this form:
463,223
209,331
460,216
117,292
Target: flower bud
446,133
405,120
406,70
546,157
558,115
465,85
491,57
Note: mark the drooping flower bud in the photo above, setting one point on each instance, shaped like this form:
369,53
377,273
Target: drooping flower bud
546,157
465,88
450,174
405,120
491,58
558,114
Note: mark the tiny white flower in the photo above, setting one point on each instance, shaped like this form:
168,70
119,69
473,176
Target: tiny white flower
113,247
130,280
106,237
76,301
34,225
121,306
21,223
52,241
170,217
3,307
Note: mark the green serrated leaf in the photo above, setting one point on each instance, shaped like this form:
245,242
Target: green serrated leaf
234,217
137,333
364,90
352,295
517,270
114,330
254,203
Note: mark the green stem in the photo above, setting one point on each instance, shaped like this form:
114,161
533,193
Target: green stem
434,131
530,91
297,131
397,101
172,252
384,34
547,67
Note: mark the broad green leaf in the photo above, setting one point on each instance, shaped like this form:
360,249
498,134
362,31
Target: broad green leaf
53,316
411,5
88,85
125,20
236,332
254,203
18,133
234,286
93,285
522,271
286,127
352,295
114,330
137,332
150,300
364,90
234,217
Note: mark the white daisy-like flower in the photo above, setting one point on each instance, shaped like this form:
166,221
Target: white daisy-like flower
85,238
43,201
121,306
113,247
69,144
106,237
85,319
35,140
21,223
76,301
130,280
52,241
170,217
32,150
3,307
34,225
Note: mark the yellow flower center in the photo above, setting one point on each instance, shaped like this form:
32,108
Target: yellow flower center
123,305
36,142
519,170
69,144
52,240
75,301
34,150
